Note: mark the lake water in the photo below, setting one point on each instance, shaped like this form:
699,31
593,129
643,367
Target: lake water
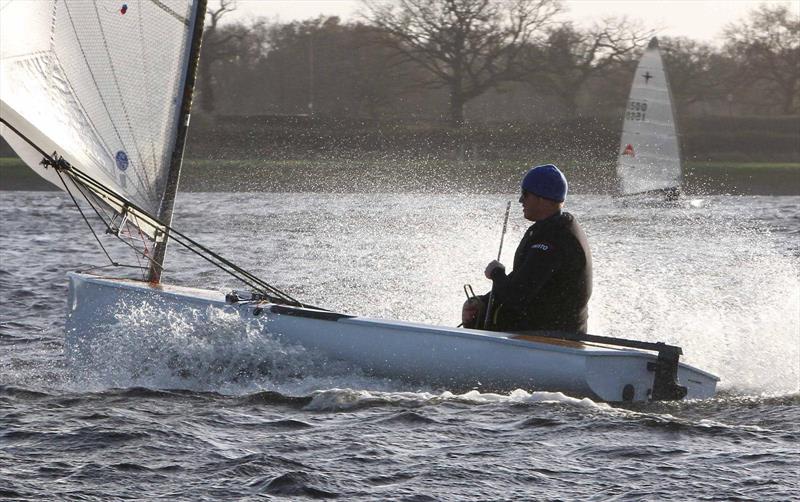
718,276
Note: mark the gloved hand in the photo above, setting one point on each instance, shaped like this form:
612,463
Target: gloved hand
491,267
470,311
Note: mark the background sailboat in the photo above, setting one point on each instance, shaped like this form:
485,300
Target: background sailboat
649,158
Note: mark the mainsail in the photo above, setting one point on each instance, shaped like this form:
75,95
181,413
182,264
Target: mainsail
101,85
649,156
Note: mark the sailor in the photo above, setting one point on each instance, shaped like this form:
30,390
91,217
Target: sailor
550,285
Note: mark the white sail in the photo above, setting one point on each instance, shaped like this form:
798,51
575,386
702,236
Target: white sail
100,83
649,156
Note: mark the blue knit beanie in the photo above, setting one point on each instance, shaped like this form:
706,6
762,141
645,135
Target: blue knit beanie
546,181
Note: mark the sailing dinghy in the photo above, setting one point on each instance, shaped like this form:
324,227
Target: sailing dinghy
95,97
649,161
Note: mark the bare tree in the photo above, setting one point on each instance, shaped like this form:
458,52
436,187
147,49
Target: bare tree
571,56
768,47
698,72
378,77
465,46
213,48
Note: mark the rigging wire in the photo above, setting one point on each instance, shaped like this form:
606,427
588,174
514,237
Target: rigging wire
109,229
272,293
220,262
99,191
139,253
112,263
145,253
84,217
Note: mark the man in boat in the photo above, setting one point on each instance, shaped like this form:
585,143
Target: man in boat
550,285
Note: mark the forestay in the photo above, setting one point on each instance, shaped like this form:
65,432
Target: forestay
649,156
99,84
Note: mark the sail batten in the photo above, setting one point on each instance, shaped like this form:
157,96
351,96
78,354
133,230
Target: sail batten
649,155
101,84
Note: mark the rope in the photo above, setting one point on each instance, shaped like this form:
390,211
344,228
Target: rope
80,179
66,188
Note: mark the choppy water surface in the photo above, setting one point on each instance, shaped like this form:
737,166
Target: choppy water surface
225,414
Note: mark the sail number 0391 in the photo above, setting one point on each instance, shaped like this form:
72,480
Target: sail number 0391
636,110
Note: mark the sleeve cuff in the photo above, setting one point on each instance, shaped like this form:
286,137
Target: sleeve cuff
498,273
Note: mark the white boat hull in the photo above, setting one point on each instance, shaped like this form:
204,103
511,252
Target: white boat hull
450,358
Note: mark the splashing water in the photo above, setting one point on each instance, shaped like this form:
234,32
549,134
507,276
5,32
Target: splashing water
711,281
719,279
201,349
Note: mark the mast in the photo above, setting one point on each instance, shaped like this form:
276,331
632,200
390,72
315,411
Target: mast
173,176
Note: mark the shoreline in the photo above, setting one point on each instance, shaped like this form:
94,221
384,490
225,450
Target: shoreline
446,176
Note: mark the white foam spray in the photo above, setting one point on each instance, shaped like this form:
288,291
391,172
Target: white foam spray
203,349
724,289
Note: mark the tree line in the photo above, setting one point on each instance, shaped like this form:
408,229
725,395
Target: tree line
483,61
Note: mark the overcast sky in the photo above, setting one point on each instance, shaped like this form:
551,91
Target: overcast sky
698,19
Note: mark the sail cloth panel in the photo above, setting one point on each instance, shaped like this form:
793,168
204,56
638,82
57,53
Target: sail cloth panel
649,156
99,83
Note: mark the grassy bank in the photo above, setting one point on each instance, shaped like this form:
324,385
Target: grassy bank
742,165
757,178
433,175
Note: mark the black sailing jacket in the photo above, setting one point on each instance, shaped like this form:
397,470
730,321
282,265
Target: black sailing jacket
550,285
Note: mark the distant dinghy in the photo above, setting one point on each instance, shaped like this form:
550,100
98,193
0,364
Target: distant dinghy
649,160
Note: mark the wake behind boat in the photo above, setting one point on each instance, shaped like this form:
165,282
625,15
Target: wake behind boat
97,101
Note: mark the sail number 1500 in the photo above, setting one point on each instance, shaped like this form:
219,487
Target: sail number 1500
636,110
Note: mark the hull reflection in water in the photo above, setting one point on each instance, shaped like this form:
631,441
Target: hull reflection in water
451,358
